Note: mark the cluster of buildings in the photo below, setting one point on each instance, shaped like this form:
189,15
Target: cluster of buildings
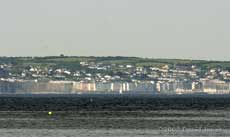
74,87
150,87
114,78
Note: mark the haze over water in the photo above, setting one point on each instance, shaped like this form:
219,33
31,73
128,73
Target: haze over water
150,28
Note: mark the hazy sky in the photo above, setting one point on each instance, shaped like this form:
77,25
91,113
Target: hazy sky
195,29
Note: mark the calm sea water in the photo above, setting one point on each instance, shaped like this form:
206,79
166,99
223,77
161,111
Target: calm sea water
115,115
112,133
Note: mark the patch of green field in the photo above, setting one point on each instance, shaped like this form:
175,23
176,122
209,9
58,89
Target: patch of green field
73,61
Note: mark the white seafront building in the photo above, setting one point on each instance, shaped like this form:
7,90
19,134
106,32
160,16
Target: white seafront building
159,87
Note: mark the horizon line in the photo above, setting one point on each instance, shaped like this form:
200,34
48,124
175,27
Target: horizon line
61,56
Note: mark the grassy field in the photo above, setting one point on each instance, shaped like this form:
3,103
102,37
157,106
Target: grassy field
73,61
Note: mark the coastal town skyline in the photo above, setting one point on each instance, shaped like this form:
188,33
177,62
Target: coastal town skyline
68,74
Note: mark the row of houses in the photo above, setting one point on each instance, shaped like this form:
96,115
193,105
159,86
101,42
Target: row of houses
73,87
114,87
161,87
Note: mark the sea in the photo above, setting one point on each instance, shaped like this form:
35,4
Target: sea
114,115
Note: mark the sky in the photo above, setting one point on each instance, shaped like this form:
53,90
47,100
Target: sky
185,29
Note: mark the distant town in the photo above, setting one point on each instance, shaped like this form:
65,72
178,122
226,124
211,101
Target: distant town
72,74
